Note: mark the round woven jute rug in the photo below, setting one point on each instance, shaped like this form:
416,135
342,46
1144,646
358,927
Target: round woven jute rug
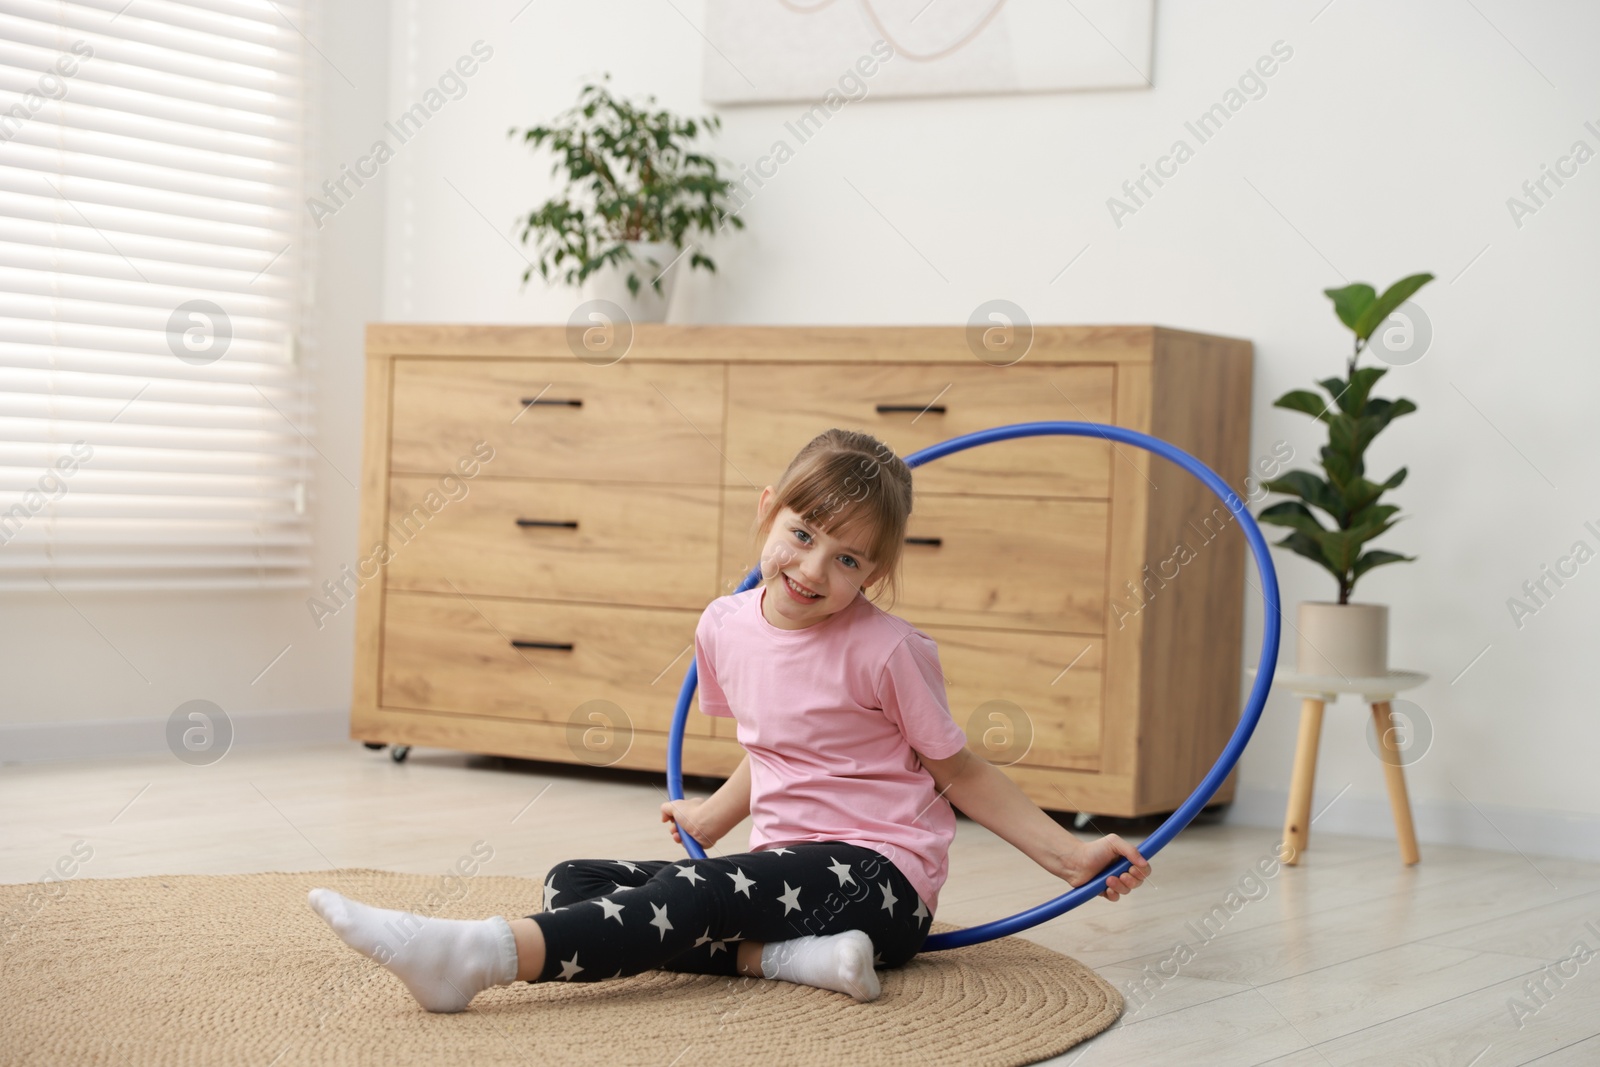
237,969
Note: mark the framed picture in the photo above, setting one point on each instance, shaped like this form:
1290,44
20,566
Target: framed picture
760,51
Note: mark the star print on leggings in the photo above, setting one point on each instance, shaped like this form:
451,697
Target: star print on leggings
800,875
889,899
716,943
741,883
660,921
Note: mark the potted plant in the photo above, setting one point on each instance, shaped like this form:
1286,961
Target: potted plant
1341,638
635,188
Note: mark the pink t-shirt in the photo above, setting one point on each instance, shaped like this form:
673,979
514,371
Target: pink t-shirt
830,715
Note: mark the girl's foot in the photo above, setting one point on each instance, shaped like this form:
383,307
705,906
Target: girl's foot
444,962
840,962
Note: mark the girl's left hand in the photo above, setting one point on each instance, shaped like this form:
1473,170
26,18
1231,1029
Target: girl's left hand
1092,857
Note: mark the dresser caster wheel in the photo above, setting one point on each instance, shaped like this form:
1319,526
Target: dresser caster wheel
399,753
375,746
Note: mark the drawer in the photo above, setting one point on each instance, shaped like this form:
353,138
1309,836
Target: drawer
1027,563
452,654
1033,699
645,544
773,410
560,419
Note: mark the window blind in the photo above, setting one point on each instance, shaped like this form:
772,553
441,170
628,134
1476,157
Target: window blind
156,423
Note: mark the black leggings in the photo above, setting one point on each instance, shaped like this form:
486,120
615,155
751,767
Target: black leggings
610,918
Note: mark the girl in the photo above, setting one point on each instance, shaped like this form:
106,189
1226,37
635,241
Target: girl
852,764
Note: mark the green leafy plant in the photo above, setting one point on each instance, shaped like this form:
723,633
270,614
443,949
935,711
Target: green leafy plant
1353,417
632,175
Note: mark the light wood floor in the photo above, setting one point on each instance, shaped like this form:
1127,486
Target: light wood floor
1350,958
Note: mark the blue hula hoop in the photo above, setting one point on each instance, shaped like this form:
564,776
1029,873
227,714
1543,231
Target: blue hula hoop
1208,786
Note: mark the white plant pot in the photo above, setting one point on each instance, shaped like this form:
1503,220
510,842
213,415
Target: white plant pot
650,258
1343,640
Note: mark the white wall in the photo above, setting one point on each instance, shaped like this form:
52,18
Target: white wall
1388,143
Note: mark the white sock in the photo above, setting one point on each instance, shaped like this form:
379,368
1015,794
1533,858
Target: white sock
444,962
840,962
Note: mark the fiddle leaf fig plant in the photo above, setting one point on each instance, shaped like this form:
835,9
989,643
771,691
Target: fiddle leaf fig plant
632,175
1353,416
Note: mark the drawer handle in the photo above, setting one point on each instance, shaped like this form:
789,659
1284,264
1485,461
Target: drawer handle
559,646
547,522
529,401
934,541
885,409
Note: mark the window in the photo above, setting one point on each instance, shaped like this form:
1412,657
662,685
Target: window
155,418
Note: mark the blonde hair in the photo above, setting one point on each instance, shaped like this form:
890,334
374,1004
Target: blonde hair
845,479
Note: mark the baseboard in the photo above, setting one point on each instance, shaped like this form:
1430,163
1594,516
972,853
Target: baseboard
1536,832
34,742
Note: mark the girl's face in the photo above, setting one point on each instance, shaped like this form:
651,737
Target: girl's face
810,574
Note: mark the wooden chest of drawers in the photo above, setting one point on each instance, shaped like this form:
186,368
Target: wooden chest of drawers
1087,598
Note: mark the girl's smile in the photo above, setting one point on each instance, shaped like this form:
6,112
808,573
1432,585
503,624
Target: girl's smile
801,593
797,607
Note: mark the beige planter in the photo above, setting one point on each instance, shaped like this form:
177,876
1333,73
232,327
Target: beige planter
1343,640
650,258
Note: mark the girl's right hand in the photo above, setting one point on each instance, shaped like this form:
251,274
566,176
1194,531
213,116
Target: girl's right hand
689,815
